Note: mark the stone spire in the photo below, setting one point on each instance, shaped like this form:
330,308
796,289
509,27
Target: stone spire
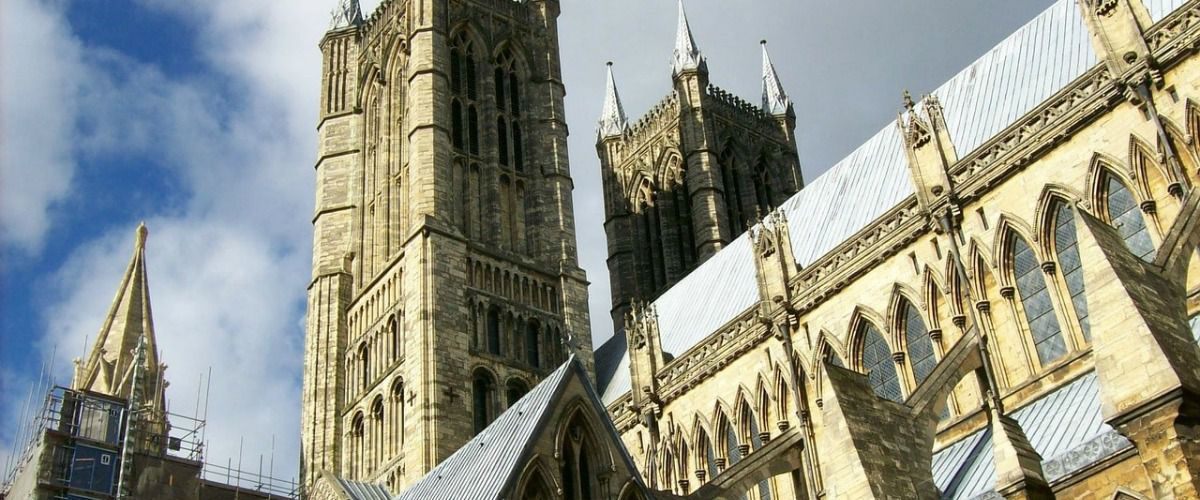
687,55
612,117
110,367
774,98
346,14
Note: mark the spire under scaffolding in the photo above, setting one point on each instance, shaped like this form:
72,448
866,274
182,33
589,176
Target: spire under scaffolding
112,364
775,99
612,117
687,54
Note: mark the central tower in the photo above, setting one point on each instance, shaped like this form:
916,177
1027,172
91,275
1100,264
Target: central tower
445,274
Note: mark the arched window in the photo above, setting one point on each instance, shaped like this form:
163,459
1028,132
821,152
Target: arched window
733,452
377,431
397,342
493,330
508,103
516,390
733,192
920,347
756,442
536,488
707,454
464,92
1124,214
483,399
357,430
577,472
1035,300
364,360
877,361
1069,266
831,357
533,344
397,401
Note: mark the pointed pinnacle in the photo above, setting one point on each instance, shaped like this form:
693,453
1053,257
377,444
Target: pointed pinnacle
908,100
347,13
687,54
612,116
142,233
774,98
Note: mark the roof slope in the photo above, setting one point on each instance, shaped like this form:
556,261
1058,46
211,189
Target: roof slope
1065,427
483,468
1008,81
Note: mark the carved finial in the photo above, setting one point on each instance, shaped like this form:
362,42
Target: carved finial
908,101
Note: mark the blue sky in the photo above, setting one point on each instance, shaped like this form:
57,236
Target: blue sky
198,117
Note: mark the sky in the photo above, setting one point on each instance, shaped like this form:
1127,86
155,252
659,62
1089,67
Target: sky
198,117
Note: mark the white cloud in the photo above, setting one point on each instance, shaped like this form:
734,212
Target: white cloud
38,90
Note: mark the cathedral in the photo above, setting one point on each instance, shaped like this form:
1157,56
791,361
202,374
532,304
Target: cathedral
995,296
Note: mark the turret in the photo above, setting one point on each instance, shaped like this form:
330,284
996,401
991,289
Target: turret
778,105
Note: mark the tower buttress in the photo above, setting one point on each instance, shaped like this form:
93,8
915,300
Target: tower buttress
337,208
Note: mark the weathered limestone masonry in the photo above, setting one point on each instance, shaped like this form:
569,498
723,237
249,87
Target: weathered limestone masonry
1024,312
689,176
445,274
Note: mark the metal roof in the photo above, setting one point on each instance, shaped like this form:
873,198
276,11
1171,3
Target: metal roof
480,469
1025,69
1160,8
1065,427
487,464
363,491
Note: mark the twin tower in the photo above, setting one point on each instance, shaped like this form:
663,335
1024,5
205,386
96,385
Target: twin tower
446,280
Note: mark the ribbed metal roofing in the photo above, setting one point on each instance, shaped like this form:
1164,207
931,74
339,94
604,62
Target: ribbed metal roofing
1016,76
1008,81
486,465
1160,8
364,491
1065,427
482,467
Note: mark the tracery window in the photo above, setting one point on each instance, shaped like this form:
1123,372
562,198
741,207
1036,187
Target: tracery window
577,472
877,361
483,397
920,346
508,104
1124,214
464,94
1035,300
1066,248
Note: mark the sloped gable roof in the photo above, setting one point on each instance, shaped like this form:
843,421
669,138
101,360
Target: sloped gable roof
485,467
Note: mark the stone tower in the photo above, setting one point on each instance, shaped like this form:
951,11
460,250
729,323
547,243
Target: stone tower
445,274
691,175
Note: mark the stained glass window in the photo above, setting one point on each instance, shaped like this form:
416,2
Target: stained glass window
920,347
1125,215
1069,265
1035,298
877,360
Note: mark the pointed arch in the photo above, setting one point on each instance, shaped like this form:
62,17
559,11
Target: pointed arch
1008,227
829,350
902,294
872,354
1056,222
1023,269
1121,208
537,482
1152,175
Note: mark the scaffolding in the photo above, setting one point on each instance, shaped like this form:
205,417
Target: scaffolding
84,433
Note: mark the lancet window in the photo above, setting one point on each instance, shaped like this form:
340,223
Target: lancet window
1035,300
1066,248
1124,214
